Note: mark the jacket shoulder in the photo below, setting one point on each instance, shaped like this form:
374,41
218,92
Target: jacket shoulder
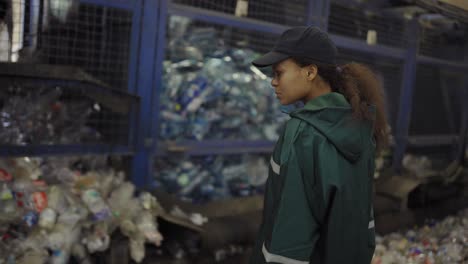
309,132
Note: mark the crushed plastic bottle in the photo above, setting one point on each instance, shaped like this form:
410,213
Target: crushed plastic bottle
210,91
48,219
434,243
72,214
98,239
81,255
214,177
39,116
8,209
418,166
146,224
137,249
96,205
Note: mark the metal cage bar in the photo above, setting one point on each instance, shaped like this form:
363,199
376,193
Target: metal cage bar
406,96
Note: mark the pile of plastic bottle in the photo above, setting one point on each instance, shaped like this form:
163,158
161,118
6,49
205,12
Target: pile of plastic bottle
51,212
419,166
211,178
444,242
212,91
40,117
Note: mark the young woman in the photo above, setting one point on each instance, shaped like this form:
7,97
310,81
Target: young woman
318,199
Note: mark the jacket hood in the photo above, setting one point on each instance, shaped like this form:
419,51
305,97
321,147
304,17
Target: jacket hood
331,115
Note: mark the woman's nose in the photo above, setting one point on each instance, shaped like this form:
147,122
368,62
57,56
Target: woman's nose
274,82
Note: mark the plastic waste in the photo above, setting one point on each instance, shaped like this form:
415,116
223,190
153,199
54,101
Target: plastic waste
215,177
39,116
123,204
8,207
81,255
31,219
72,214
48,218
418,166
96,205
33,257
212,92
137,249
146,224
436,242
98,240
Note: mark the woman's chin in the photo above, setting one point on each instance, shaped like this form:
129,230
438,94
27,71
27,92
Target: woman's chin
283,102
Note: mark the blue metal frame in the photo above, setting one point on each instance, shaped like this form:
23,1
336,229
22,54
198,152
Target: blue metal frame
157,84
446,102
224,19
142,166
317,13
464,123
122,4
133,66
54,150
134,47
79,82
147,54
139,83
216,147
261,26
362,46
406,95
453,66
313,8
158,71
432,140
34,11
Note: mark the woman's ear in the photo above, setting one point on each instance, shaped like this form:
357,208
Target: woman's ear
312,72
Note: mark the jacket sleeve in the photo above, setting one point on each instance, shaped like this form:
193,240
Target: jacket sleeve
316,156
342,221
295,231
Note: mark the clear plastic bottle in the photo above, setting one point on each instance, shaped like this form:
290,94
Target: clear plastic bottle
79,252
61,240
146,224
22,189
137,249
47,219
8,210
96,205
66,176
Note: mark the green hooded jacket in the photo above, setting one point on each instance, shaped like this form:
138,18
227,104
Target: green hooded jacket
318,197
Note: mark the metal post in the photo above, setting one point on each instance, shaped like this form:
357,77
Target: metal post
158,71
121,4
317,13
406,95
34,12
141,165
464,123
133,68
134,46
462,148
444,89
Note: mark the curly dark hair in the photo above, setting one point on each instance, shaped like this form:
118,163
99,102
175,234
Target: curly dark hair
361,87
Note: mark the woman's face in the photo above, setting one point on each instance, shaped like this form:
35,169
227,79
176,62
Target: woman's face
291,82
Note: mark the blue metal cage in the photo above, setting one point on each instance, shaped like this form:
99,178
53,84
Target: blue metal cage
123,45
393,46
291,13
359,23
70,66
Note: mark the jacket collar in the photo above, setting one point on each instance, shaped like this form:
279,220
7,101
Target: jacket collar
329,100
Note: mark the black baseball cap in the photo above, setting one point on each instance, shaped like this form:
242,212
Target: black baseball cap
309,43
